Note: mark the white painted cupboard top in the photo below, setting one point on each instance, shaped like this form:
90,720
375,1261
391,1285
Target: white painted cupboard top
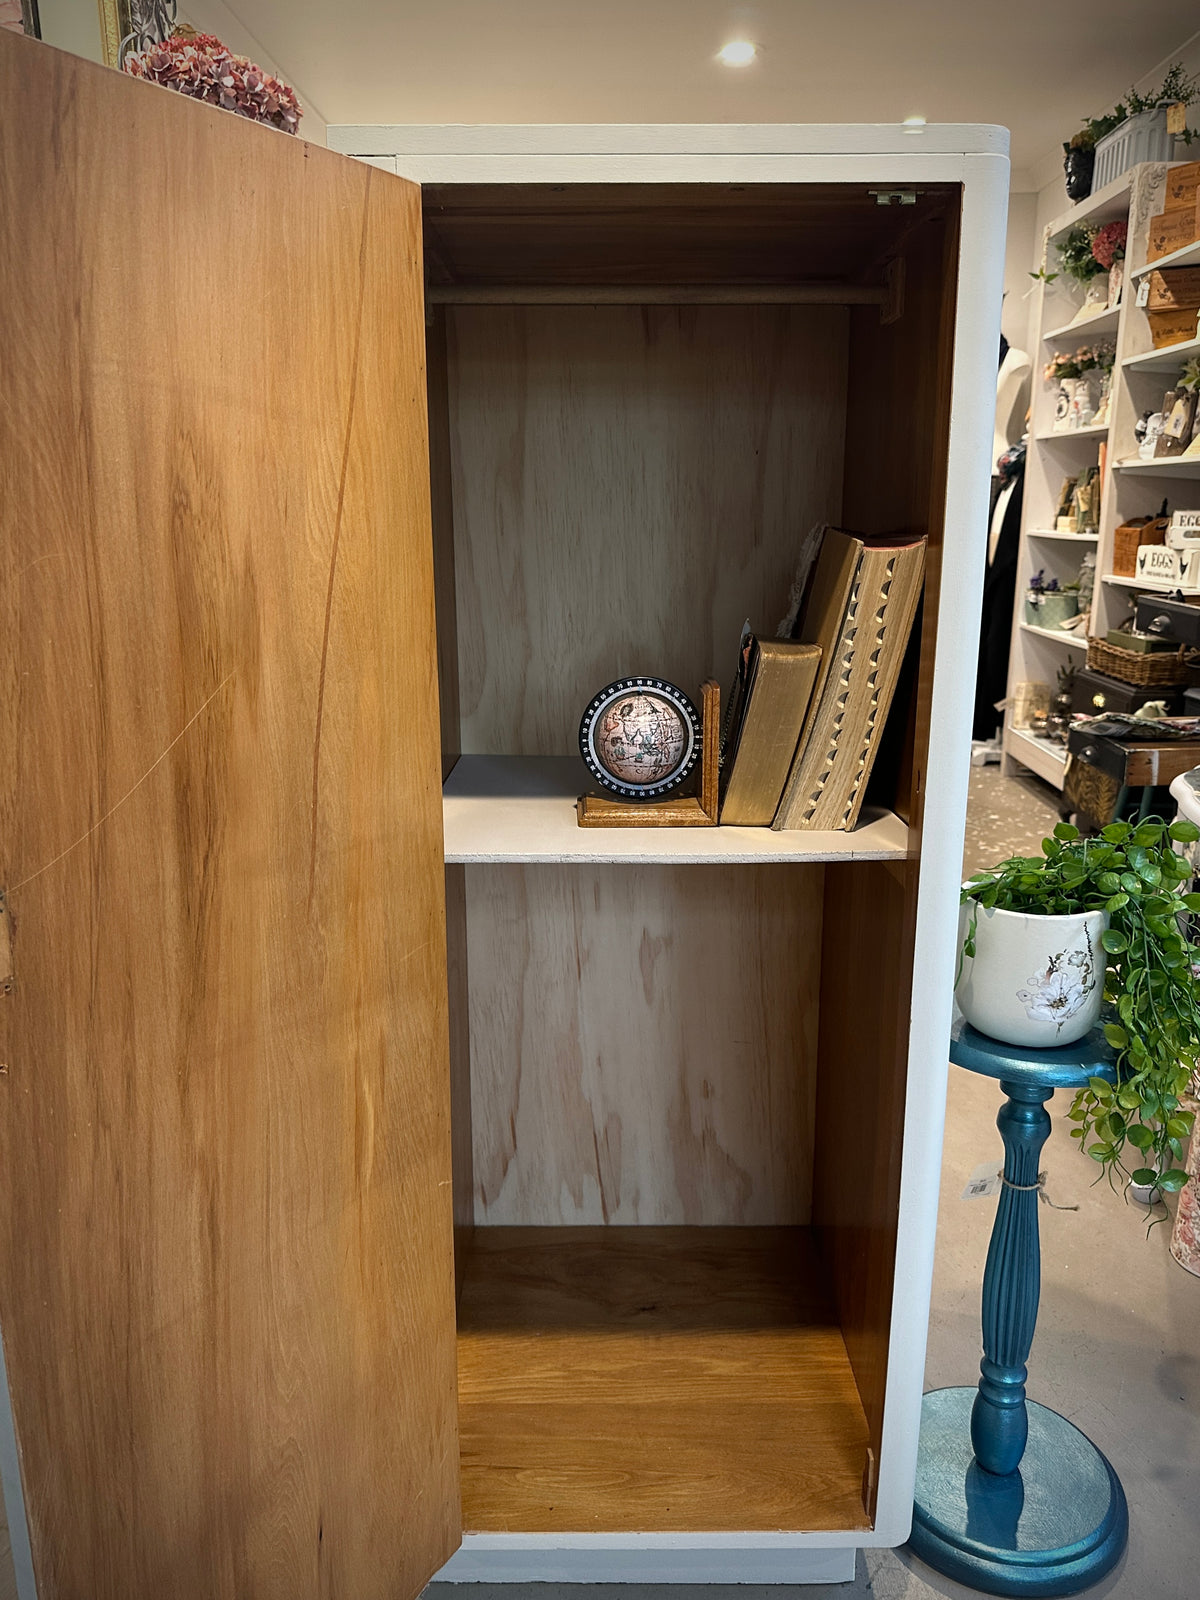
669,138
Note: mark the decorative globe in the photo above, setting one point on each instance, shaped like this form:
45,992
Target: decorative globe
640,737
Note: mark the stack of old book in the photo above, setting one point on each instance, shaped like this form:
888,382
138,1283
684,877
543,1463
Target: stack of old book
807,711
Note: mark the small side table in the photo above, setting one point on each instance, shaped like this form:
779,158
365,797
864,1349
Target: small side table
1011,1498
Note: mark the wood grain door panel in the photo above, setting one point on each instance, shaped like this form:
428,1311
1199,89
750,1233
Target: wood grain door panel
226,1274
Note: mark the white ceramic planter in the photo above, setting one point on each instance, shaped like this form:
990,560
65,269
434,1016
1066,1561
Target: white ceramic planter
1033,980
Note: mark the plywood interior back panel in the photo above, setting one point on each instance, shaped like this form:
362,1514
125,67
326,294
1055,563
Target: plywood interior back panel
630,483
226,1281
643,1043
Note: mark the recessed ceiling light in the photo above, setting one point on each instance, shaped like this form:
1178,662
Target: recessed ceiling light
737,53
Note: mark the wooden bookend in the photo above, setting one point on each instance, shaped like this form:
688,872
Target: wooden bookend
687,811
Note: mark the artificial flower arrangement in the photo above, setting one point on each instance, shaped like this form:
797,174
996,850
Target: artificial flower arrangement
199,65
1065,364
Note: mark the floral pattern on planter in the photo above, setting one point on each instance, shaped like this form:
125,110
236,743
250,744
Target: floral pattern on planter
1063,989
1185,1235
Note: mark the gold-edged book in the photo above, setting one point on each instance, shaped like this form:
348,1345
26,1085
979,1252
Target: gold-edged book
833,762
759,751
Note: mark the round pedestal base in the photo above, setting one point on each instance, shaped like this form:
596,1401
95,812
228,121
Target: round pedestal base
1054,1526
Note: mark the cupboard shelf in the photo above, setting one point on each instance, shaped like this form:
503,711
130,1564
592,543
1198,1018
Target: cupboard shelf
721,1348
522,809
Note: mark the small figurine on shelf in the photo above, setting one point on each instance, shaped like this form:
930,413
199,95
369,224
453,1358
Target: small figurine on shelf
1146,431
1058,718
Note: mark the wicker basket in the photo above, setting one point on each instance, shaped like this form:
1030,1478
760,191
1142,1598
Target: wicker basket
1163,670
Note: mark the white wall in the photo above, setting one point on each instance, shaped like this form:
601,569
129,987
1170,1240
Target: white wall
1019,248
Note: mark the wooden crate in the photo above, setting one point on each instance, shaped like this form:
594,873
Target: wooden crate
1173,289
1170,231
1173,327
1183,187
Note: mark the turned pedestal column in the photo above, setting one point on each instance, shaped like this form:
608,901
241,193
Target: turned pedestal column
1011,1498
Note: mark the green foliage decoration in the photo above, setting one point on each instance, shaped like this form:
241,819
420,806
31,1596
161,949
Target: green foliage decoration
1151,994
1075,253
1176,89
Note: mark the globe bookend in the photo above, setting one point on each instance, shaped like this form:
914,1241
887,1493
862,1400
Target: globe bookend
1011,1498
675,810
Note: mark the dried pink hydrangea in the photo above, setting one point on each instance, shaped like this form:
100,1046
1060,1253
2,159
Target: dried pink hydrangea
198,64
1109,244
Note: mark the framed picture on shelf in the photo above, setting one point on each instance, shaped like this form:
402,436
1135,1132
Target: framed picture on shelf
134,25
21,16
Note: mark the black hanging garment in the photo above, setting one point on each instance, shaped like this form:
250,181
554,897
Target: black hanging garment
999,595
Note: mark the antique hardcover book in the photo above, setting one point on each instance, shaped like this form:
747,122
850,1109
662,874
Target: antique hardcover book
775,677
833,762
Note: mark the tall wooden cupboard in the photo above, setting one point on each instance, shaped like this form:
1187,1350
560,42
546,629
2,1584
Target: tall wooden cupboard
395,1177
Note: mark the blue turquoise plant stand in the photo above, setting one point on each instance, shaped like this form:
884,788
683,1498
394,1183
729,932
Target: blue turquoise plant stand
1011,1498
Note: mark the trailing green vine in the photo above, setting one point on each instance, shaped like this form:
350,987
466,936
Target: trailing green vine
1150,988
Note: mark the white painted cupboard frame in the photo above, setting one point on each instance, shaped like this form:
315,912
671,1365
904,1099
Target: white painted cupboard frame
876,157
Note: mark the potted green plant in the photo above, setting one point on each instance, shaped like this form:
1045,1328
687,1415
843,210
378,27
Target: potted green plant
1117,901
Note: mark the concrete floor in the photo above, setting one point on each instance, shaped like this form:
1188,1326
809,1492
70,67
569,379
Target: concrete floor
1118,1341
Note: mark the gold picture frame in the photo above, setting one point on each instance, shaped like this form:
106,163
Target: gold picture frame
114,26
133,25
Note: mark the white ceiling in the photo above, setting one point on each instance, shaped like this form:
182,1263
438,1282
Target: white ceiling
1037,66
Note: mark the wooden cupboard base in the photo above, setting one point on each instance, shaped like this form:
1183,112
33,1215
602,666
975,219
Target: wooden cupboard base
654,1379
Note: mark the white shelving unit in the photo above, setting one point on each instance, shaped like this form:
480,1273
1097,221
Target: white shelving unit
1128,487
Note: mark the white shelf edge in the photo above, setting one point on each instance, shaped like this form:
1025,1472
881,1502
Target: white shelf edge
521,809
1101,200
1054,634
1140,583
1094,430
1186,256
1110,315
1171,355
1053,533
1165,466
1036,754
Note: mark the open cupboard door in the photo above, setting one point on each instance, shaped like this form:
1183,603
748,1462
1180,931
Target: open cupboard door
226,1274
